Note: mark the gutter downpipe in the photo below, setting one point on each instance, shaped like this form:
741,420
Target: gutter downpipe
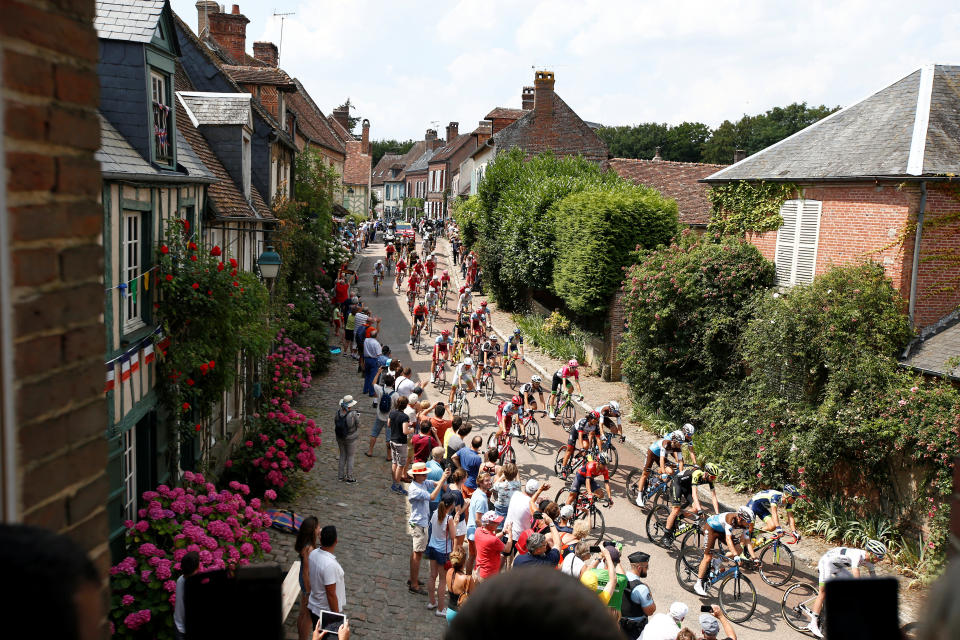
914,270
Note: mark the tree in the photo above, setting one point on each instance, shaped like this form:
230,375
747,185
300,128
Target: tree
351,120
379,148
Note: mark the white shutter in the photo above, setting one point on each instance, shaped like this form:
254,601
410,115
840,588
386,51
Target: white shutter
786,241
805,262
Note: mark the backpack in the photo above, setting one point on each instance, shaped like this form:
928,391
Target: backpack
340,424
385,402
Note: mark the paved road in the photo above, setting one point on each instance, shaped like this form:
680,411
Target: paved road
375,547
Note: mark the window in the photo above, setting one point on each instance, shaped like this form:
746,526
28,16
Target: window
130,265
246,165
162,118
797,238
128,472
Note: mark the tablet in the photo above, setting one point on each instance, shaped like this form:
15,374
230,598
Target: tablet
330,621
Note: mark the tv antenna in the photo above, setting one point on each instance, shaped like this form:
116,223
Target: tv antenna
282,16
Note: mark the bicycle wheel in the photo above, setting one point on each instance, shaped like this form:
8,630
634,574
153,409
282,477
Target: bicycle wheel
532,434
778,564
487,388
687,568
598,526
632,486
430,325
558,462
465,409
738,598
795,599
441,379
511,376
417,341
613,459
376,287
690,547
562,496
656,525
509,456
569,416
493,442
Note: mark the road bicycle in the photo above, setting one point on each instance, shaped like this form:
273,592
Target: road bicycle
655,493
504,446
657,527
389,263
485,382
586,509
778,564
411,300
738,596
461,407
797,603
510,375
578,459
431,316
526,430
610,453
376,284
417,337
565,410
443,295
440,374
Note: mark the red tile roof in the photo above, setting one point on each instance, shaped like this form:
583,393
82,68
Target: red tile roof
677,180
260,75
338,129
506,112
311,121
383,170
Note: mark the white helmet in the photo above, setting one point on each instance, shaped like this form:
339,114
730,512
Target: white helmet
536,379
379,263
745,513
676,436
688,429
468,362
615,406
877,548
467,290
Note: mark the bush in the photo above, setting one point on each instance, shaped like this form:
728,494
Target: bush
549,335
289,367
598,230
304,319
222,527
685,307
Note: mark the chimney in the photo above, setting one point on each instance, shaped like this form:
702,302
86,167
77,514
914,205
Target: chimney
526,99
452,131
430,138
266,52
229,30
484,131
365,138
656,156
342,115
739,155
543,93
204,9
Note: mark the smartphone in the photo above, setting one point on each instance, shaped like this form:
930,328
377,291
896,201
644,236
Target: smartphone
706,608
595,549
330,621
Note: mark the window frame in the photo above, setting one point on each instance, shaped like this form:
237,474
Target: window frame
246,147
165,93
128,472
131,310
807,216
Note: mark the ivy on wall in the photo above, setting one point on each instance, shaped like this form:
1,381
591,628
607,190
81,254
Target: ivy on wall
741,207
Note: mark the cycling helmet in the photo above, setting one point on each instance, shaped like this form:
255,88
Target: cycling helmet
483,304
468,362
602,458
516,400
467,290
536,379
791,490
711,469
516,332
445,272
745,513
688,429
573,363
594,415
527,388
676,436
463,289
432,290
445,333
877,548
380,262
614,406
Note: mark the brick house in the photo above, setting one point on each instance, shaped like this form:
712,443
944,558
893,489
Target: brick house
310,129
387,169
415,176
677,180
875,181
53,453
442,167
465,174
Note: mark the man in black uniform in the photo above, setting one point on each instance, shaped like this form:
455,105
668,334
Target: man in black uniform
636,604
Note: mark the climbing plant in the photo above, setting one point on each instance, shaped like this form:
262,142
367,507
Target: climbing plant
741,207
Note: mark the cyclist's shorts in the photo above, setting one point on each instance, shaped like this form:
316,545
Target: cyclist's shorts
572,440
555,385
681,494
420,317
579,482
531,399
507,420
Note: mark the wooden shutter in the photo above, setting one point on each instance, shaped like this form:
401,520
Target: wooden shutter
787,241
805,262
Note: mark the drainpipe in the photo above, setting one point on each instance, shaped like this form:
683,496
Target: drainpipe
916,252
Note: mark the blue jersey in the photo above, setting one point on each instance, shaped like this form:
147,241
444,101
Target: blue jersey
657,446
761,501
719,524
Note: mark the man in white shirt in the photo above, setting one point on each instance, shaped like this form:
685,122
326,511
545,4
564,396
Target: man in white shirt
189,565
405,384
327,591
665,626
519,513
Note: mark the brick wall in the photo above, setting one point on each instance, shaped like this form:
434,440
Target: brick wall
51,130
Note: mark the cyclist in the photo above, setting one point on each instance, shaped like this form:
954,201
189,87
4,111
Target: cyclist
491,350
584,434
465,303
683,493
585,475
413,282
441,351
378,271
476,325
401,270
460,329
432,300
390,250
535,386
419,317
659,450
688,430
417,267
444,282
431,265
463,374
766,507
842,562
485,315
513,344
505,413
608,412
562,376
434,281
729,527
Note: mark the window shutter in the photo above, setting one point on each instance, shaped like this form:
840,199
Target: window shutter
807,236
786,241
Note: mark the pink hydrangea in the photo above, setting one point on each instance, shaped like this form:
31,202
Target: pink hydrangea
270,494
137,619
127,600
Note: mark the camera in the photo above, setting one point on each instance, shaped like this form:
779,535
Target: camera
538,515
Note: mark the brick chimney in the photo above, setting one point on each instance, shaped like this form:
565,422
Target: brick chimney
484,131
266,52
430,138
365,138
543,93
342,115
204,9
739,155
453,130
229,30
526,99
656,156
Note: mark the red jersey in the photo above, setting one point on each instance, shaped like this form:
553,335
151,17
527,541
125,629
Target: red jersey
418,268
401,265
435,284
390,249
593,470
420,310
445,277
412,282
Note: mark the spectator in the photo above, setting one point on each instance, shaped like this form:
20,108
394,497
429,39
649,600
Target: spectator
522,505
665,626
455,435
400,427
348,330
327,592
479,505
341,295
419,494
538,551
337,323
423,442
347,432
710,625
406,385
455,490
575,562
383,387
686,634
440,421
442,531
637,603
459,581
590,578
371,353
490,463
190,565
469,459
305,544
384,360
434,472
423,415
504,486
491,548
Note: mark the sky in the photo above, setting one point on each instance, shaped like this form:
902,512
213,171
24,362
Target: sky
409,65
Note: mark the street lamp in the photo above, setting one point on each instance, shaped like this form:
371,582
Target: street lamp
269,262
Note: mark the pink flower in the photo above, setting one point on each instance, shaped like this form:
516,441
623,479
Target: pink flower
270,494
127,600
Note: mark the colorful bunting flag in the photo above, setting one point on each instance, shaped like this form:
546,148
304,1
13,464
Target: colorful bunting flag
111,374
124,368
148,352
135,360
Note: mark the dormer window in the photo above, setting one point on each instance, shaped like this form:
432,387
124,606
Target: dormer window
162,119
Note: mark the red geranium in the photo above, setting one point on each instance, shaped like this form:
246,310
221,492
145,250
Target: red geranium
194,258
211,364
198,427
186,406
169,278
186,225
190,381
233,263
192,246
219,266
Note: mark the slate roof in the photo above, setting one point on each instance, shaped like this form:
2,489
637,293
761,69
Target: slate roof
908,129
120,160
934,353
384,168
677,180
132,21
311,121
246,74
409,158
216,108
444,153
420,164
506,112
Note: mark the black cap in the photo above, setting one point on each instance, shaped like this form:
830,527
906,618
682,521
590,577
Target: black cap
638,556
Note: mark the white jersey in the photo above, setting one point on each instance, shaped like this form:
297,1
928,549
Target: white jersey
838,562
463,375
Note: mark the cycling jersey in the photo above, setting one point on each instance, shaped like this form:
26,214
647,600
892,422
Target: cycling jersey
378,269
390,249
512,344
566,372
412,282
462,375
657,446
419,311
720,524
584,427
418,268
475,320
431,299
508,408
401,265
435,284
490,345
837,563
593,469
443,343
445,278
761,501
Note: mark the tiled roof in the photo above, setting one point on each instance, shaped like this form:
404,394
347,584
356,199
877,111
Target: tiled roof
384,168
118,159
339,129
910,128
561,131
216,108
260,75
133,21
224,195
356,169
451,148
677,180
420,164
506,112
937,353
313,124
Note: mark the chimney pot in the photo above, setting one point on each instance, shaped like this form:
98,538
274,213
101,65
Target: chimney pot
204,9
739,155
236,10
365,137
431,134
452,131
543,82
229,31
656,156
527,98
